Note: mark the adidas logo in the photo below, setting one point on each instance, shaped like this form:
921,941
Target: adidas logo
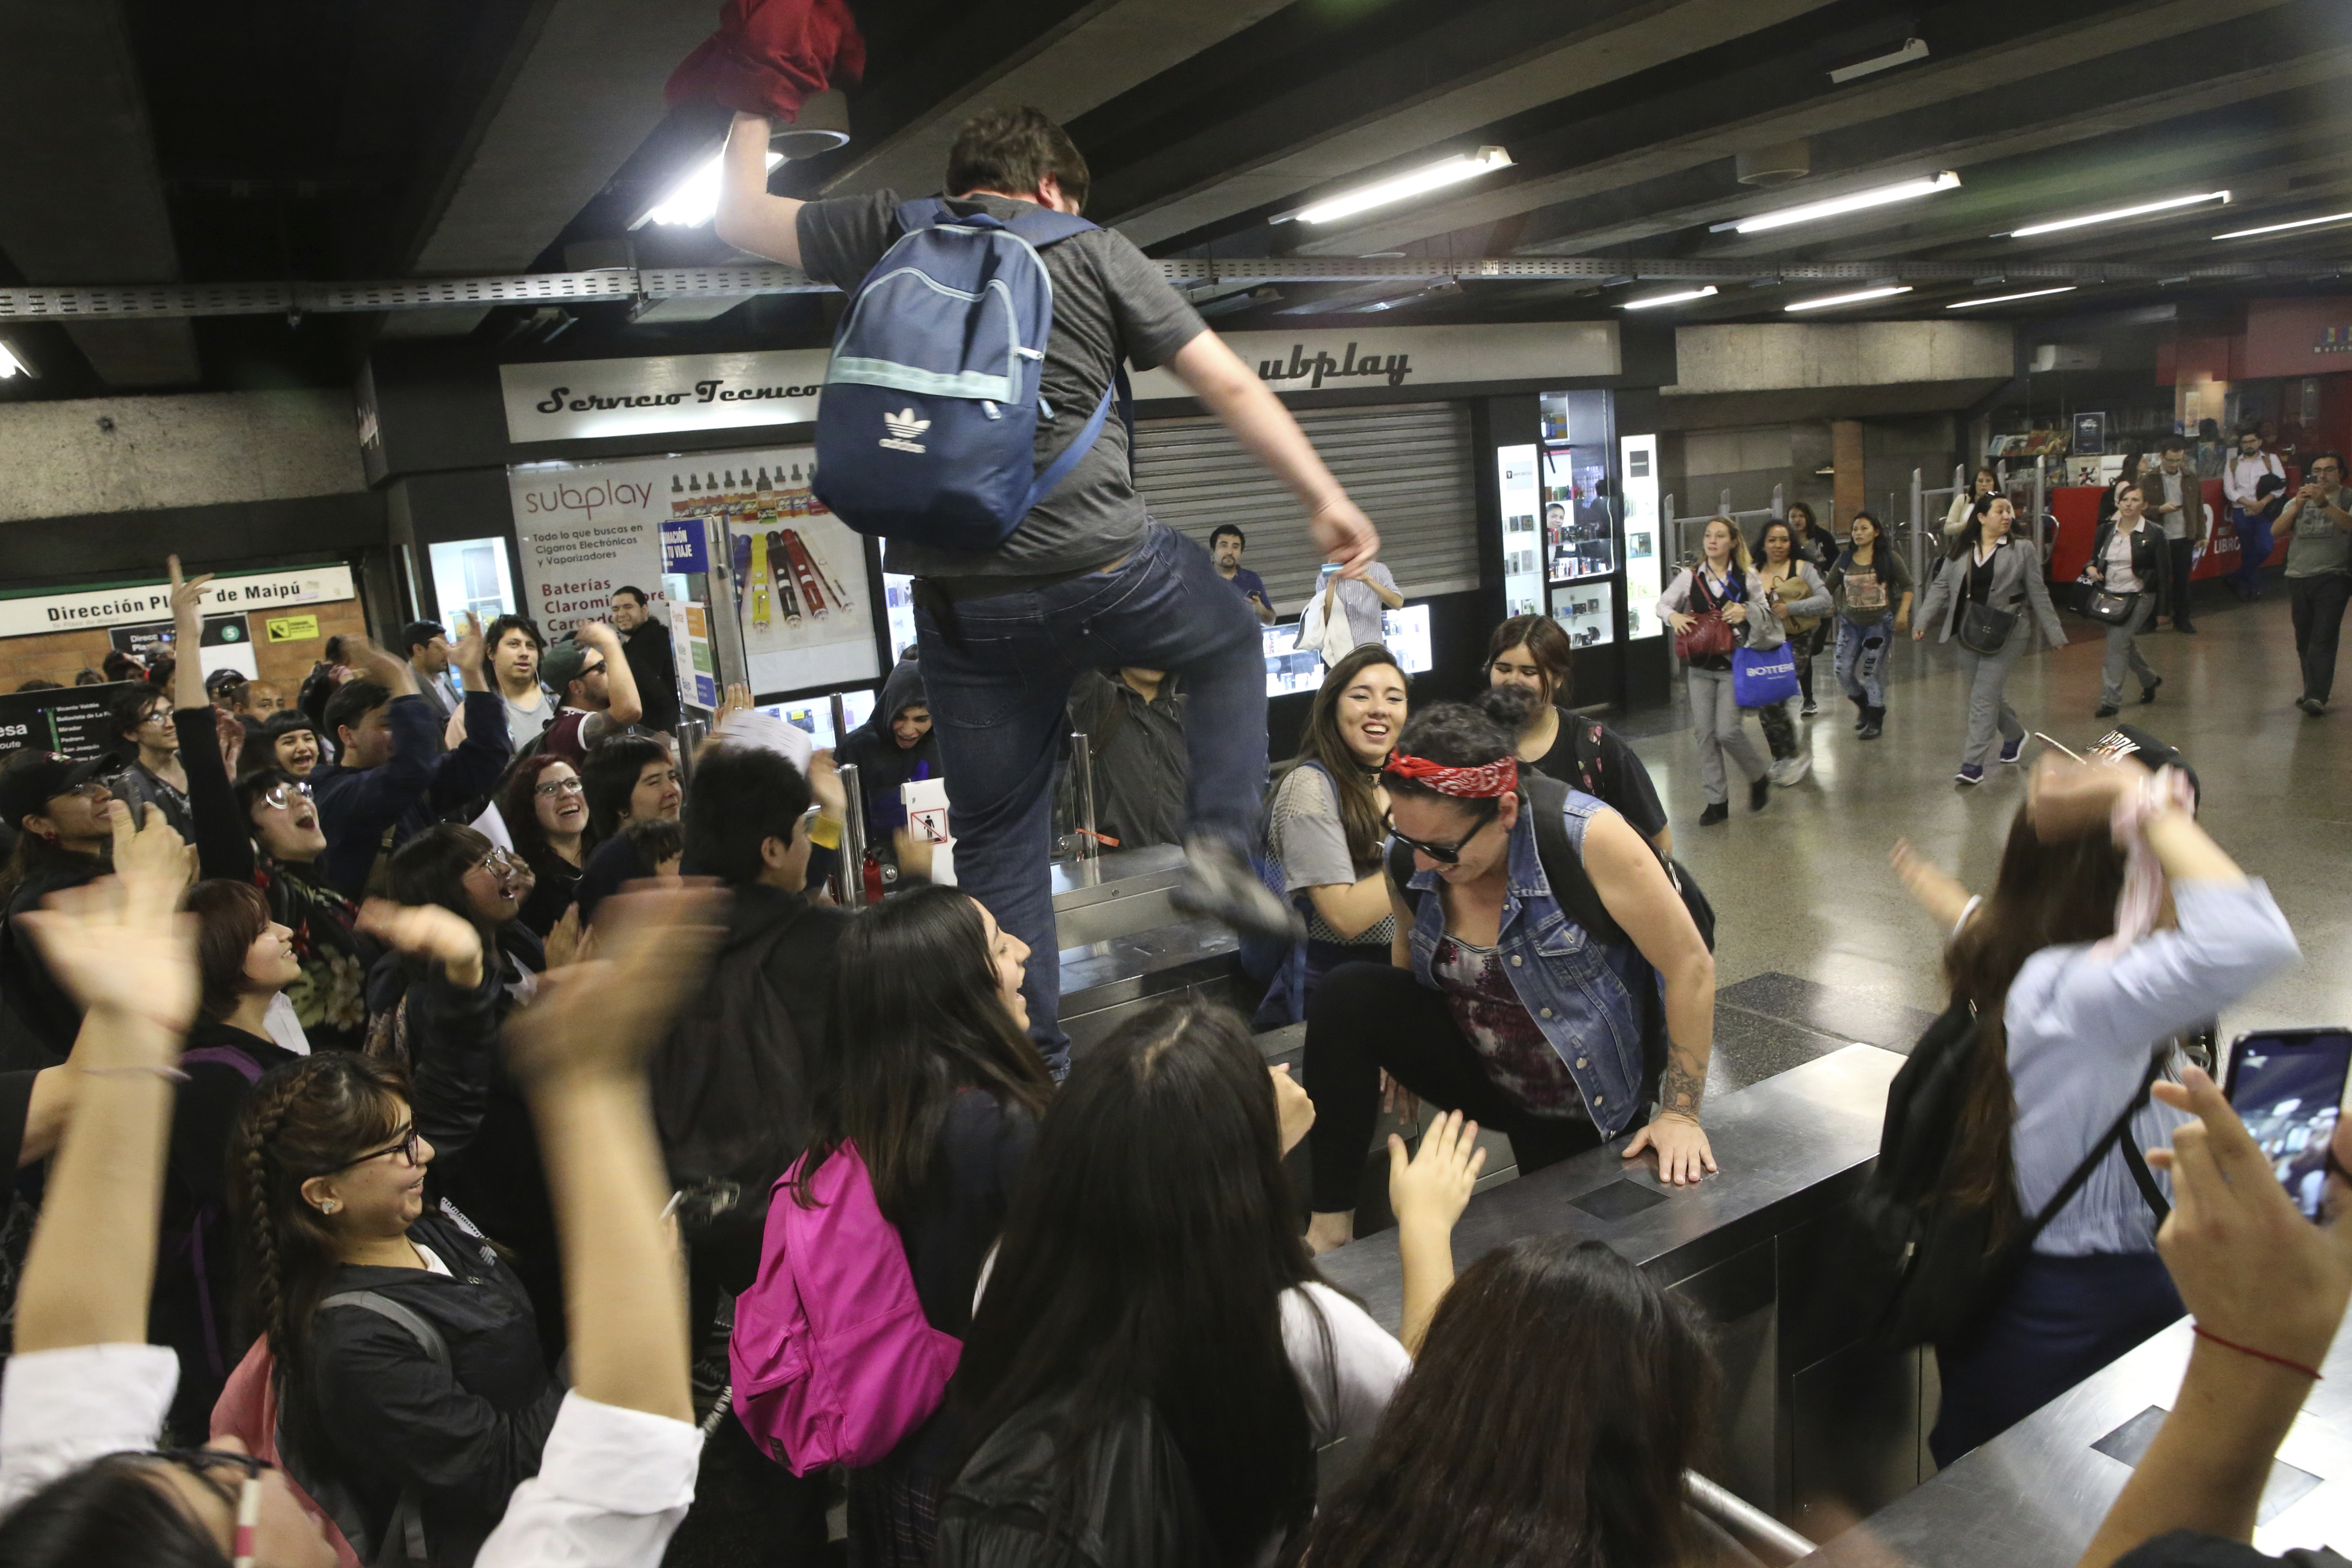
904,427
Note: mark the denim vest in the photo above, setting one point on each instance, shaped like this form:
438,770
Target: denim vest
1579,991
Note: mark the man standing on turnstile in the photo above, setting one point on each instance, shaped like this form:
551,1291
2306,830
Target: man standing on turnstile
1087,580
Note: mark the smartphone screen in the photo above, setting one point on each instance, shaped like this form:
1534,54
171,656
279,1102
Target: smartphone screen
2286,1086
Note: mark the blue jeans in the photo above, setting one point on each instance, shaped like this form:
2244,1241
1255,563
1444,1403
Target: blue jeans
1861,660
998,674
2253,549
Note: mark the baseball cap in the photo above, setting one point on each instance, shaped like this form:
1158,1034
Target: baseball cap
560,665
30,779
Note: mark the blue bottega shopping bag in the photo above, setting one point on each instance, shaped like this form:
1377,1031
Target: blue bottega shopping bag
1758,679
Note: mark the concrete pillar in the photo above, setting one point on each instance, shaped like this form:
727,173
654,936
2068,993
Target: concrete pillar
1845,455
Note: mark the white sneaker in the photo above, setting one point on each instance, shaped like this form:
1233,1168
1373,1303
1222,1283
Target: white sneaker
1789,770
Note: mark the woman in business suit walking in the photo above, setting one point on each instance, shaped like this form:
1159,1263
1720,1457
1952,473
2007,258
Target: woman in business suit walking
1989,569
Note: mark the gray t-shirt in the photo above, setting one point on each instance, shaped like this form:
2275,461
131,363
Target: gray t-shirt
2319,547
524,725
1310,845
1109,304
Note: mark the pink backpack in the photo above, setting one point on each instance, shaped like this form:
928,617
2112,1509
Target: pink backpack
832,1360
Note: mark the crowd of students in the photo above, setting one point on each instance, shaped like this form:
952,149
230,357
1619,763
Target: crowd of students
437,1080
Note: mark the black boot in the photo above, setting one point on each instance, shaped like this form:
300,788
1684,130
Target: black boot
1861,711
1873,721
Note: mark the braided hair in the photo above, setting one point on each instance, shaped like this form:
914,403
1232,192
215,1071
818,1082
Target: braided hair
305,1118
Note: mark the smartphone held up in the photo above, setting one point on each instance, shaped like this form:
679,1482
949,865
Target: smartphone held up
2287,1086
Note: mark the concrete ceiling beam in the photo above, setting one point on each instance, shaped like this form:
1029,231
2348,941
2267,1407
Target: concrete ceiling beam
2012,65
584,91
1092,57
1629,40
81,197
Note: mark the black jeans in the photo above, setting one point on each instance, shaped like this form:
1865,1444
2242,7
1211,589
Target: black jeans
2182,552
1368,1016
2319,603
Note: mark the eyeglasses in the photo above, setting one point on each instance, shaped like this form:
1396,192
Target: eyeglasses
554,787
1451,854
498,864
587,670
91,790
284,796
405,1148
247,1499
157,715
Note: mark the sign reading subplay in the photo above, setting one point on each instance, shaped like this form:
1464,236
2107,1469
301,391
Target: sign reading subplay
1322,360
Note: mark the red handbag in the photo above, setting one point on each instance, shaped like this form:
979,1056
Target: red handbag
1709,636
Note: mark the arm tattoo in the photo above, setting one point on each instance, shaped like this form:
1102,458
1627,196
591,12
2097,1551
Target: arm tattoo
1682,1088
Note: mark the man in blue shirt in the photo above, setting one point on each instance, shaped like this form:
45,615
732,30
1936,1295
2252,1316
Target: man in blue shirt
1226,547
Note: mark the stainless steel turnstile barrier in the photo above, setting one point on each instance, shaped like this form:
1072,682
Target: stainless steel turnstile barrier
2033,1497
1818,1428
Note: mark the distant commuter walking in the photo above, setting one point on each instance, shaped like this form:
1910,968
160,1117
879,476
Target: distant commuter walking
2126,574
2318,573
1722,589
1873,587
2253,482
1989,581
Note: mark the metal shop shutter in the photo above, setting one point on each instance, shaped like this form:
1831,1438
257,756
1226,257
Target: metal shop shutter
1408,466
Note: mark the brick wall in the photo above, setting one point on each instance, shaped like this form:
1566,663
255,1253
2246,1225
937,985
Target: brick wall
60,655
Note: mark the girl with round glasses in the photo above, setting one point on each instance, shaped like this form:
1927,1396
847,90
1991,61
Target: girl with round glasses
544,804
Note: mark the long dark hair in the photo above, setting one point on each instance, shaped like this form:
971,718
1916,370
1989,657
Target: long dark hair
110,1514
916,1019
305,1118
1546,644
2048,891
1360,807
1146,1257
1546,1424
1972,532
518,807
431,867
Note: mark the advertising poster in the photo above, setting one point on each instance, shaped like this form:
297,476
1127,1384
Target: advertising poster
800,594
588,528
690,642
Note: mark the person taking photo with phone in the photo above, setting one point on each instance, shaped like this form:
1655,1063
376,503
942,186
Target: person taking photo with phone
2319,523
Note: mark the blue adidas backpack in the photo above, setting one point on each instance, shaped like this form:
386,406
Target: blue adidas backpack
927,429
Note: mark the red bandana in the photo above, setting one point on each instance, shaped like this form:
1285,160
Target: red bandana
1484,782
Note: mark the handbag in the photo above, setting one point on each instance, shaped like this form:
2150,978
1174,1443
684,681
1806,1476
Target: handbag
1707,637
1759,678
1984,629
2115,609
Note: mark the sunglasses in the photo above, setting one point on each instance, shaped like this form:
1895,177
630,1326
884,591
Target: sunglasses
284,796
246,1499
1451,854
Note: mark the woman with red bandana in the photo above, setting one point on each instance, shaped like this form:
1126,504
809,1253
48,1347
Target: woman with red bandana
1553,1013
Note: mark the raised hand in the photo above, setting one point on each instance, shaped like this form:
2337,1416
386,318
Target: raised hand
427,931
1432,1187
470,657
598,1019
1345,536
120,945
375,664
187,596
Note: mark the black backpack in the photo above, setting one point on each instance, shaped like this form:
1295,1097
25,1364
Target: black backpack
1563,868
1030,1497
1936,1268
731,1096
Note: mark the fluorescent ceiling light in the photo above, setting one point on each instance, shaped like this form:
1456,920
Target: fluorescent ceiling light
1855,298
1669,298
10,365
1835,206
2088,218
1444,172
2005,299
693,201
1912,49
2283,227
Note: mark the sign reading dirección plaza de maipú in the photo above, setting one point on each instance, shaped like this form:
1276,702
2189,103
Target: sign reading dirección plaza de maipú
36,613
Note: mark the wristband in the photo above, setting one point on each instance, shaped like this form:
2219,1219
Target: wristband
2205,1334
